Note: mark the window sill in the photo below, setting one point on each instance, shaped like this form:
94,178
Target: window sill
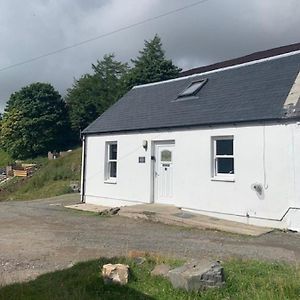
110,181
223,178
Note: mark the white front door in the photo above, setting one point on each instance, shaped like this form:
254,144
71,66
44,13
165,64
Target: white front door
163,173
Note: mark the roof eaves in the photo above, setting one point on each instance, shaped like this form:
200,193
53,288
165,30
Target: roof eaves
284,118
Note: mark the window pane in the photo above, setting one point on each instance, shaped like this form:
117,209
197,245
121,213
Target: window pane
166,155
224,147
112,169
225,166
113,151
193,88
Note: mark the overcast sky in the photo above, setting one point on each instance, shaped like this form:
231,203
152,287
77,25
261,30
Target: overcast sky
210,32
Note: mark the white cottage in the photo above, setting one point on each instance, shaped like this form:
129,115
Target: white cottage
224,143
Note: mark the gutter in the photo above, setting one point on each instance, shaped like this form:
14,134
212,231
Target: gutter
282,120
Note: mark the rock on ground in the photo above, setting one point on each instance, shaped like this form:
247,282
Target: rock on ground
110,211
139,260
195,276
161,270
115,273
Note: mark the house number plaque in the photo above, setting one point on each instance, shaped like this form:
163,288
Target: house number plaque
142,159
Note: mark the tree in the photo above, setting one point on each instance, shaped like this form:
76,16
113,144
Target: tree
151,65
34,122
93,93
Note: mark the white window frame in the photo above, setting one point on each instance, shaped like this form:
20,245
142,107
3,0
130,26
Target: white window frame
108,161
215,157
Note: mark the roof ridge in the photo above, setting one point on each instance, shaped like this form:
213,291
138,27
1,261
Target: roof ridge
243,59
222,69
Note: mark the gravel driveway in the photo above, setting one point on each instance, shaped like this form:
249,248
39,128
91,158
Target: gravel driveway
41,236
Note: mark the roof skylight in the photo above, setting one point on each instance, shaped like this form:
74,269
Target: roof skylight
193,88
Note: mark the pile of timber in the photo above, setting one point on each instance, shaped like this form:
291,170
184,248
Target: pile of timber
23,170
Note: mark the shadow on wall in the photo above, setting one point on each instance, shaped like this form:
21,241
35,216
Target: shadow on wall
259,190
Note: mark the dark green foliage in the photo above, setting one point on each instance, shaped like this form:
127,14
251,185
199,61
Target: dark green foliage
36,119
92,94
34,122
151,65
5,159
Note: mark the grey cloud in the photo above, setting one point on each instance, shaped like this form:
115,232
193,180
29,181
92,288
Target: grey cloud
211,32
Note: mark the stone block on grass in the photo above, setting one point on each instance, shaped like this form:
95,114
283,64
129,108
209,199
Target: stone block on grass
197,276
161,270
115,274
139,260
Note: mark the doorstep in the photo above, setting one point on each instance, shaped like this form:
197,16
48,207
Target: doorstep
88,207
172,215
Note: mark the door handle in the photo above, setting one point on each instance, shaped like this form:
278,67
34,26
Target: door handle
156,174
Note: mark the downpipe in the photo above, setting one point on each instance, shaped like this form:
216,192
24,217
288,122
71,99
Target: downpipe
82,194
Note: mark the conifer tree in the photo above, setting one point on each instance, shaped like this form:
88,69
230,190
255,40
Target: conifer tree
151,65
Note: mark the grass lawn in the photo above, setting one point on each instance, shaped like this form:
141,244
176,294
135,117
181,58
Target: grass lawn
52,179
244,280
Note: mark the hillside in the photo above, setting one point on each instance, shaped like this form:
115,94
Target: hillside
5,159
53,178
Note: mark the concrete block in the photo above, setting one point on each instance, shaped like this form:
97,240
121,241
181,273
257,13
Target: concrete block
197,275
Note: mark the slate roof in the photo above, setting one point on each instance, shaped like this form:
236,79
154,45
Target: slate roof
243,93
244,59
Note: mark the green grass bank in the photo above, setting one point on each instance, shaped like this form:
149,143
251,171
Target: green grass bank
52,178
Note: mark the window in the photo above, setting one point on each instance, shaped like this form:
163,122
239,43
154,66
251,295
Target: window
111,161
166,156
193,88
223,157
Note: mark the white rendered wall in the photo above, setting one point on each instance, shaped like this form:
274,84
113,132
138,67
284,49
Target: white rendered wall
278,171
293,217
296,163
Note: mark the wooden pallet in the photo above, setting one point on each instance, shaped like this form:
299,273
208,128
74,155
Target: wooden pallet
21,173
